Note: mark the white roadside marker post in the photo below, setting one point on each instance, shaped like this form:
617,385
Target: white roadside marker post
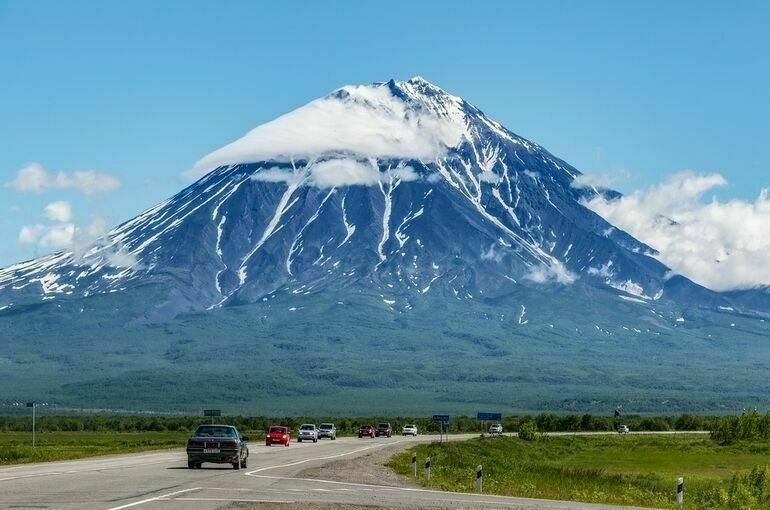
414,463
479,479
427,468
680,491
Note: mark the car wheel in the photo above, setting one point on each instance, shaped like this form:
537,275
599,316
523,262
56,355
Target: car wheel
236,465
244,463
315,440
299,440
190,464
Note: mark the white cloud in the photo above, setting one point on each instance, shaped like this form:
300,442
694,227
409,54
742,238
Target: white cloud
47,236
34,178
88,182
554,273
722,245
336,172
363,121
605,180
489,177
343,172
58,211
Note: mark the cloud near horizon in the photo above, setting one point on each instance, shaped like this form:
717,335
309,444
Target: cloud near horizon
722,245
35,178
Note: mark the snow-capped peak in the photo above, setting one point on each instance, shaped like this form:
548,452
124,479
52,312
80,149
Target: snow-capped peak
411,119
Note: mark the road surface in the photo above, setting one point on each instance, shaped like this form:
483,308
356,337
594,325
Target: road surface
158,480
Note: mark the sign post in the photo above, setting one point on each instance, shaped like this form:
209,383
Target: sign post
427,468
212,413
414,463
32,405
479,479
485,417
443,420
680,491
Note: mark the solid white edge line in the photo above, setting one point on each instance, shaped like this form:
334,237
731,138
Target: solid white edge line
156,498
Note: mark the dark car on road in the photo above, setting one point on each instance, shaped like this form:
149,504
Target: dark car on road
220,444
384,429
366,430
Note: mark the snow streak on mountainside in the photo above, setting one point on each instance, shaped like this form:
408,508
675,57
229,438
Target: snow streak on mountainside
398,186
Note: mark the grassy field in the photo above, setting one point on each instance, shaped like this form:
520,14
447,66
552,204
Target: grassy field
631,470
16,447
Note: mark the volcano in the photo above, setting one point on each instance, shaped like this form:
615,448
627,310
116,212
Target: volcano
391,207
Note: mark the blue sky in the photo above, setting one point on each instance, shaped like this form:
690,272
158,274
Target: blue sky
141,90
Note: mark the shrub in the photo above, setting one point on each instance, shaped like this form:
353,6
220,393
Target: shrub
528,431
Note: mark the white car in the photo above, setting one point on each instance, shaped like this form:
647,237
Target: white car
409,430
496,429
307,432
623,429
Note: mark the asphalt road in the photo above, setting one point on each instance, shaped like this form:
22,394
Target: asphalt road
161,480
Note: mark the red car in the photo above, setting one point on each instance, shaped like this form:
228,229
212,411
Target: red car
278,435
366,430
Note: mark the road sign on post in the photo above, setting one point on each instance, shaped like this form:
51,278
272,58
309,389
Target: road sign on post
479,479
443,420
680,491
32,405
212,413
489,416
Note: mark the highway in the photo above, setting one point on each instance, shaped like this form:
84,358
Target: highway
273,480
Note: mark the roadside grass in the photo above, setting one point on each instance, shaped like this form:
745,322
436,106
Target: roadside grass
624,470
16,447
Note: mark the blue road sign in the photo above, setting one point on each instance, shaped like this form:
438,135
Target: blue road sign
489,416
443,418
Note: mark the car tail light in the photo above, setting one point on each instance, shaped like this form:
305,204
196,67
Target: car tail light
231,444
195,444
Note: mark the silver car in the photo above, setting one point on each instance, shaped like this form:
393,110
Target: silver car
409,430
496,429
327,430
307,432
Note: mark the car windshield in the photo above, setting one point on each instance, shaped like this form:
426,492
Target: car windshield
278,430
383,425
408,426
366,426
307,427
327,426
214,431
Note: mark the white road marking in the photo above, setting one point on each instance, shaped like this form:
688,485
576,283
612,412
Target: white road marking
285,501
78,471
329,457
156,498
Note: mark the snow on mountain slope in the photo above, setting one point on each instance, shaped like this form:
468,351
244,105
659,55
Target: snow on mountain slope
397,186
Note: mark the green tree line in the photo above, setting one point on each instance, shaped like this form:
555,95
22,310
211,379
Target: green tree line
545,422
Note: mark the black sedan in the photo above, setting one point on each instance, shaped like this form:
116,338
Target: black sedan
220,444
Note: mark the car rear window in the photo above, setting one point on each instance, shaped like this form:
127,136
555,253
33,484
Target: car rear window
278,430
214,431
326,425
